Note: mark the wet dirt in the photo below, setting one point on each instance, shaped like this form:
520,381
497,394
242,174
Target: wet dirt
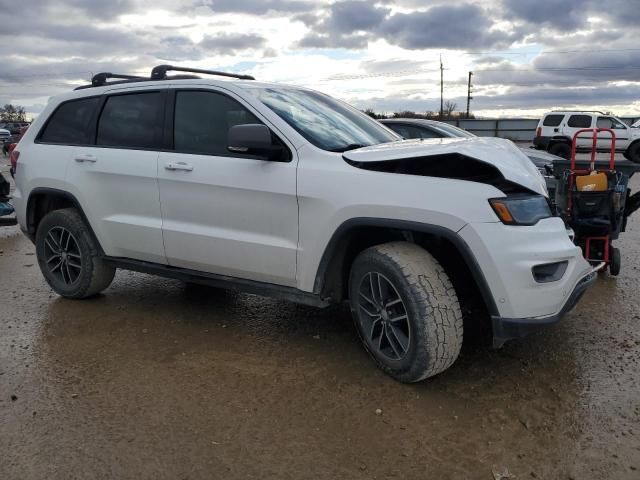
155,380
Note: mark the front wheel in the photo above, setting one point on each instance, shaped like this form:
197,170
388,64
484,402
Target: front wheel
406,311
69,257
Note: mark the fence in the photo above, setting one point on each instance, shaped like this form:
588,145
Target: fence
516,129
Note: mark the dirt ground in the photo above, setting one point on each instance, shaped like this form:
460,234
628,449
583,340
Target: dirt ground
155,380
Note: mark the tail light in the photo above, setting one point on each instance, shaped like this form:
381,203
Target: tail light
13,157
538,132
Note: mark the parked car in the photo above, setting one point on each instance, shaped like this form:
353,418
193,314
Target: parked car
636,124
556,130
4,135
284,191
6,209
13,127
422,128
10,146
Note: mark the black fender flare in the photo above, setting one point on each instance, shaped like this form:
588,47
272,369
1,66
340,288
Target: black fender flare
31,230
448,234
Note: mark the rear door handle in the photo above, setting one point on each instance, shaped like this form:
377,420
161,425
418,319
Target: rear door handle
179,166
86,159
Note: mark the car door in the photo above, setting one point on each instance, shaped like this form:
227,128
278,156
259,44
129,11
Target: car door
576,122
620,129
115,178
225,213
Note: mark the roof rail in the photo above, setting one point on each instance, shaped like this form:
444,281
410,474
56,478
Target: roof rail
581,111
160,72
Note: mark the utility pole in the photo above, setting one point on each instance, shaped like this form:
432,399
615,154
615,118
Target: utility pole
441,89
469,97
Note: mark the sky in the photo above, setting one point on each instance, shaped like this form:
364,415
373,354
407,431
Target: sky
527,56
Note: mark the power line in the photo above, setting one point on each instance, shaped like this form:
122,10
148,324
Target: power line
401,73
555,52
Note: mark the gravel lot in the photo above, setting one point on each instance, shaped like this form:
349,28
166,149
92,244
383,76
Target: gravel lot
156,380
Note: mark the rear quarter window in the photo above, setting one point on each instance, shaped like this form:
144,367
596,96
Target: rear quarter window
579,121
552,120
69,123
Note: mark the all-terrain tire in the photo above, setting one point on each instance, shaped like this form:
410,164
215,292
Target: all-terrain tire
561,149
429,299
89,273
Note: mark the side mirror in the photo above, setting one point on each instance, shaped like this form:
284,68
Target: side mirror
254,140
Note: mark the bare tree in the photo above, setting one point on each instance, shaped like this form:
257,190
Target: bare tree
12,113
373,114
449,108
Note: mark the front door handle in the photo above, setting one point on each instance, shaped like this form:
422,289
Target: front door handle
86,159
179,166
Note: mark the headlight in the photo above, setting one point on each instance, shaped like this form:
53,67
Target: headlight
521,210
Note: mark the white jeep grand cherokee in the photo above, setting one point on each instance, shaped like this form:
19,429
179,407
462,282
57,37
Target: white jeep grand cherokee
284,191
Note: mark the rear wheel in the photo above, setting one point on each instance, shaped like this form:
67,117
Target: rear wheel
615,261
69,257
633,153
406,311
561,149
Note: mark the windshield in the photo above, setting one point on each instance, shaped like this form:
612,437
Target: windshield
453,131
327,123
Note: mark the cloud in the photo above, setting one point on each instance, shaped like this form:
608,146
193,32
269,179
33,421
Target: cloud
328,41
351,24
559,14
259,7
353,16
347,24
459,26
231,43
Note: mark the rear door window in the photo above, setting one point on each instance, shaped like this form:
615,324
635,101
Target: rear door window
132,121
579,121
68,125
552,120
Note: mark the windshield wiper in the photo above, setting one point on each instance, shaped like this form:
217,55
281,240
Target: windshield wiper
351,146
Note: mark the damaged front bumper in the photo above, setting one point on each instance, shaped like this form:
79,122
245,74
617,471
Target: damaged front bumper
505,329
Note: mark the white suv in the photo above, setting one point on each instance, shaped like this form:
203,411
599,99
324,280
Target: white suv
284,191
556,130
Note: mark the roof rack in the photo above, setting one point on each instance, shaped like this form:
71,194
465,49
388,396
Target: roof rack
100,79
160,72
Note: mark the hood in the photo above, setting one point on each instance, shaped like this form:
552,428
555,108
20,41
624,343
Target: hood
512,163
